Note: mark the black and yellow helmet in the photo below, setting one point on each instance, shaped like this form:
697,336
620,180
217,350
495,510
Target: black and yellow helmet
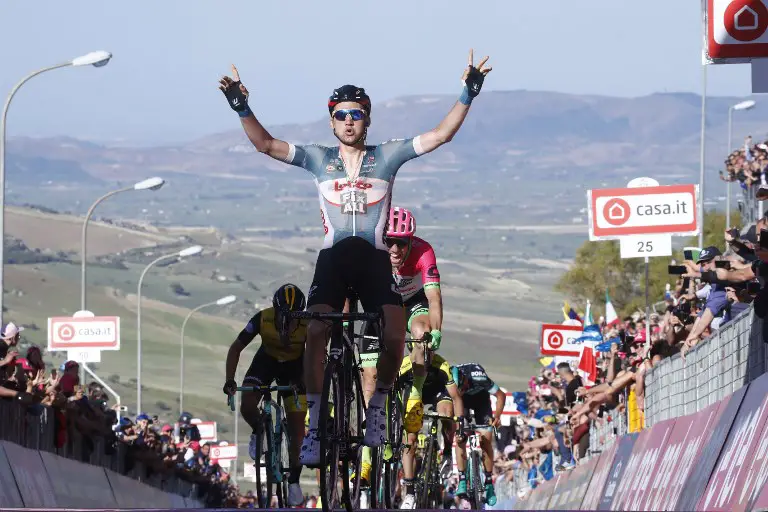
289,298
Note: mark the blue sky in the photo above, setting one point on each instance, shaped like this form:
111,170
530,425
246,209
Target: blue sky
161,85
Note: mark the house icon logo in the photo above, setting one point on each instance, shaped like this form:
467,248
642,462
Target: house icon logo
616,211
745,20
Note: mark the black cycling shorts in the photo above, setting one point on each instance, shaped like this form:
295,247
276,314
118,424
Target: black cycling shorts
354,263
432,395
265,370
480,404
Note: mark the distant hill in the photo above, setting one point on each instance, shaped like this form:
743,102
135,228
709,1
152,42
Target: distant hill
518,131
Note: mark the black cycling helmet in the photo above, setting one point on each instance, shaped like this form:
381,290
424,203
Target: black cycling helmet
349,93
289,298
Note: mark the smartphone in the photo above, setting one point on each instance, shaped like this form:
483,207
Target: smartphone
53,373
753,287
677,270
764,238
688,254
723,264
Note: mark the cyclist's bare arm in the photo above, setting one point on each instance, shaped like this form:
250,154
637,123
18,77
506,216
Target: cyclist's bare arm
233,358
251,330
449,126
501,399
262,140
435,300
458,402
257,134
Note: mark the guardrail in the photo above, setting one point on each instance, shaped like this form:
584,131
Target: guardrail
36,432
729,359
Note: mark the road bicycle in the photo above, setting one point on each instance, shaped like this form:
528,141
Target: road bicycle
429,484
272,442
475,472
342,407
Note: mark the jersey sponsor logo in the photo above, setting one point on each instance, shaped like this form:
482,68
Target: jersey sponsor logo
478,373
249,328
432,271
375,190
339,186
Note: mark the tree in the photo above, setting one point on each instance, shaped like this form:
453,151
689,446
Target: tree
599,268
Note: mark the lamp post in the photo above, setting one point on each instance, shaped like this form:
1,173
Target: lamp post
96,59
189,251
229,299
703,151
148,184
744,105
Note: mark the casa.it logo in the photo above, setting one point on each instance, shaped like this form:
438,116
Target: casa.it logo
555,340
616,211
746,20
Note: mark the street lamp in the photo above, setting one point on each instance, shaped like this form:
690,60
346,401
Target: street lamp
148,184
97,59
189,251
229,299
744,105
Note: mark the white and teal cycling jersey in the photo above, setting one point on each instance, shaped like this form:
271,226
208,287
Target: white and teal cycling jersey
360,207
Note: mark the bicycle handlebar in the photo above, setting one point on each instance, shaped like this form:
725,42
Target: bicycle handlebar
334,316
231,398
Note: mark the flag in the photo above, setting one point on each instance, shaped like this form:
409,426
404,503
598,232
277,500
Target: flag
569,313
611,318
589,339
548,362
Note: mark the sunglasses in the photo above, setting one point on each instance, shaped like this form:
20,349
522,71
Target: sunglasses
400,242
356,113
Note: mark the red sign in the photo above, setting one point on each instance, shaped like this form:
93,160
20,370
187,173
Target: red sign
556,340
224,452
96,332
618,212
736,30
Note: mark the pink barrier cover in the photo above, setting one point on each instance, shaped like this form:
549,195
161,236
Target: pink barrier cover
597,483
572,486
77,485
741,469
645,454
9,493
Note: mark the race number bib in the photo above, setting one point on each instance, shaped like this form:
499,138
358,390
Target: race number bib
354,202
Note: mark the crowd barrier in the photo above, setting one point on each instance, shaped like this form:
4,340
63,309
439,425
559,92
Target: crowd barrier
38,479
729,359
81,472
715,459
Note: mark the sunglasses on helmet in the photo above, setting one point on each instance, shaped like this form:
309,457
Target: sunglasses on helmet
356,113
400,242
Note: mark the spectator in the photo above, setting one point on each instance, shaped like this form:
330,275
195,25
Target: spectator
572,382
70,378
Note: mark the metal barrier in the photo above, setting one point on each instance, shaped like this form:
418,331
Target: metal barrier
732,357
603,432
37,427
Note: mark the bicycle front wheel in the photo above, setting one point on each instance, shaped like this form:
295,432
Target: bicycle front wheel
478,489
282,464
330,430
352,459
391,463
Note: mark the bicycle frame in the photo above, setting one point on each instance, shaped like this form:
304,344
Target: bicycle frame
475,475
268,408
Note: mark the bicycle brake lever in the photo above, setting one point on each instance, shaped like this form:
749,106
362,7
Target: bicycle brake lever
231,402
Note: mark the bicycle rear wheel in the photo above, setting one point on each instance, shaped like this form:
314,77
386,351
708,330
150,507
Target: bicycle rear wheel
330,430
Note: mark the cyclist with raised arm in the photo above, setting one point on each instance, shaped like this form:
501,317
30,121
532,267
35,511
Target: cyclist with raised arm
442,394
279,358
354,183
475,388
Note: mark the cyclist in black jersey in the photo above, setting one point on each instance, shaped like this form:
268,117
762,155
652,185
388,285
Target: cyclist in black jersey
354,183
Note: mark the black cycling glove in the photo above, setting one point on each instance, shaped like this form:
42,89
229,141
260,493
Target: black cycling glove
236,98
474,81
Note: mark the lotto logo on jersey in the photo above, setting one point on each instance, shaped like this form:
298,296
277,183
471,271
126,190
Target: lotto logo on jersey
375,190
